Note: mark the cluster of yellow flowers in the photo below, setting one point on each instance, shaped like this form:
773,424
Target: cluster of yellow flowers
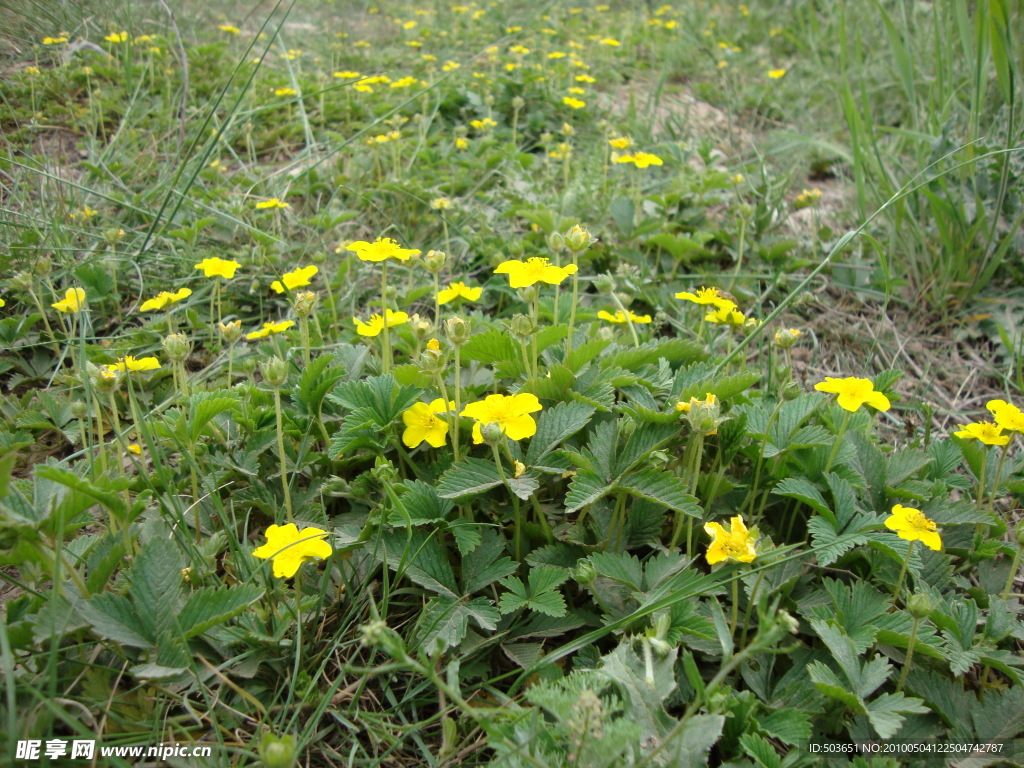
725,309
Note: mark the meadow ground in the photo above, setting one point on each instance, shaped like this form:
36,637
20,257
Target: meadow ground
511,384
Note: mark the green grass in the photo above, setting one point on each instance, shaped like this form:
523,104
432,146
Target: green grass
546,599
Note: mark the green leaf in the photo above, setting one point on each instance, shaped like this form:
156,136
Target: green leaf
209,606
761,750
545,578
805,491
585,488
467,535
549,603
554,425
113,617
315,382
468,478
825,680
490,347
645,438
623,213
486,564
156,589
788,725
6,465
619,566
442,624
86,491
663,488
203,407
420,557
422,502
673,349
885,713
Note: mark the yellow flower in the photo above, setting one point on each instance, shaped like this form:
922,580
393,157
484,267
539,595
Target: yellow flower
787,337
807,198
775,74
726,314
619,317
640,159
440,204
709,400
72,302
135,448
569,101
457,290
585,79
129,363
734,544
510,412
54,40
1007,415
404,82
269,328
347,75
380,249
422,423
375,324
985,431
703,415
912,525
31,70
2,303
164,298
117,37
461,143
229,29
707,296
536,269
853,393
274,202
289,548
610,41
218,267
482,125
621,142
297,279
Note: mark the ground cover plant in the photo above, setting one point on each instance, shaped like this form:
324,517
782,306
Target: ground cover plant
475,384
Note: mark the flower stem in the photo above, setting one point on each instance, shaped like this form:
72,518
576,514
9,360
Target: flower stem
903,572
735,606
533,340
385,334
1013,572
981,480
572,307
451,418
839,439
281,454
910,654
625,313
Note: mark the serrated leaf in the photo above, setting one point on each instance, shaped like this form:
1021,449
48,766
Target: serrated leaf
486,564
788,725
88,492
467,536
156,587
761,750
645,438
422,502
315,382
585,488
549,603
490,347
442,624
805,491
554,425
468,478
419,557
828,546
663,488
619,566
205,406
544,578
523,655
885,713
209,606
825,680
113,617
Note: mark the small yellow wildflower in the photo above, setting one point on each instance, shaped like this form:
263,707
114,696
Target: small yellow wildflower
380,249
776,74
117,37
347,75
706,296
129,363
1006,415
295,279
285,92
163,299
423,425
375,324
229,29
510,412
569,101
621,142
726,314
610,41
72,302
984,431
270,328
640,159
458,290
853,393
289,548
54,40
912,525
734,544
218,267
440,204
537,269
619,317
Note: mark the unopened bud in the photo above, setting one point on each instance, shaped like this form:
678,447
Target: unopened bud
103,379
275,371
22,281
1019,531
79,409
232,331
420,327
522,327
177,346
457,330
518,102
578,239
491,433
383,470
786,338
556,243
377,634
584,572
42,265
920,605
604,283
277,752
305,301
434,261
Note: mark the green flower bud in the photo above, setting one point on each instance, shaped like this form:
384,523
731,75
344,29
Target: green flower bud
578,239
248,365
491,433
420,328
42,265
791,390
1019,533
22,281
584,572
79,409
277,752
305,301
920,605
177,346
522,327
318,257
604,283
518,102
786,338
103,380
377,634
383,470
432,360
434,261
275,371
231,332
556,243
457,330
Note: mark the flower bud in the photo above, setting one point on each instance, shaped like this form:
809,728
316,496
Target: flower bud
22,281
578,239
275,371
432,362
420,328
277,752
103,379
79,409
518,102
383,470
377,634
318,257
703,415
791,390
113,236
786,338
177,346
457,330
42,265
491,433
920,605
584,572
434,261
522,327
1019,532
305,301
556,243
231,332
604,283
